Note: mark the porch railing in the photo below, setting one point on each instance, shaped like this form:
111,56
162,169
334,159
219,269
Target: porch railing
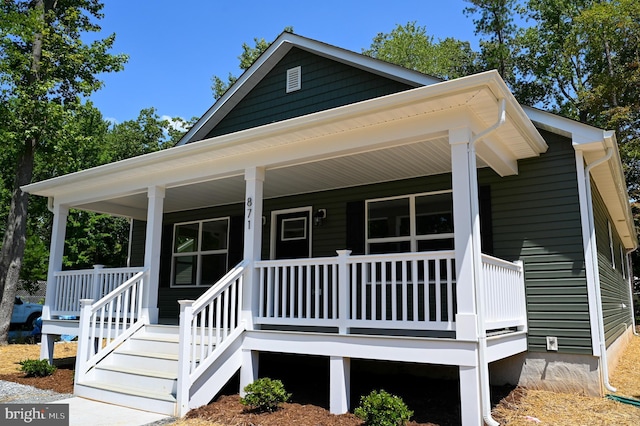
72,286
389,291
504,293
208,326
108,322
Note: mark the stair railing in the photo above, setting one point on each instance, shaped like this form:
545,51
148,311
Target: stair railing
105,324
207,327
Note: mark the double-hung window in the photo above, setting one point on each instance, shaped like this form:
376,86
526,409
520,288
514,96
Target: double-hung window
419,222
200,252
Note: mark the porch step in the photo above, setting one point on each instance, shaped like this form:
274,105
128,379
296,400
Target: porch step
142,373
127,396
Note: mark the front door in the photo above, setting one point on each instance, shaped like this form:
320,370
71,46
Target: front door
291,234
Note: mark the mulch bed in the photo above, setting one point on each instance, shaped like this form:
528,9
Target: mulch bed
60,381
228,410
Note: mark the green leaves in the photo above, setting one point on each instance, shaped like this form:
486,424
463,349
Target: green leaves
411,47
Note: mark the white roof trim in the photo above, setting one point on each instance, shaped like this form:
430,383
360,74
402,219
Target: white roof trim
189,163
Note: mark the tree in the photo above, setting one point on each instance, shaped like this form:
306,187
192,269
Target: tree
584,56
45,68
148,133
247,58
411,47
494,19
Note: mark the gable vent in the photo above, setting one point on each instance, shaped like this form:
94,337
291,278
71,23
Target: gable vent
294,79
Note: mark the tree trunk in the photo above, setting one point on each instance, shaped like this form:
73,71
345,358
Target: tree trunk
14,241
15,236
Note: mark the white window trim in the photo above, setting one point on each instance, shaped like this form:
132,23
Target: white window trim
199,253
412,238
305,227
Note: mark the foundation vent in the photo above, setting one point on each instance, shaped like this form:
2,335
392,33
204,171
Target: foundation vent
294,79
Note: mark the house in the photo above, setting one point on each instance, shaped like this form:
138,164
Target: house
334,205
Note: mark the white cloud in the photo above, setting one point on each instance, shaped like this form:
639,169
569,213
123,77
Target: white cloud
175,124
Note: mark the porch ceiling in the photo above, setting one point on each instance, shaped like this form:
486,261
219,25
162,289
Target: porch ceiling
402,162
389,138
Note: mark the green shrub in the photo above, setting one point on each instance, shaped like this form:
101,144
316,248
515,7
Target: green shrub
37,367
383,409
265,395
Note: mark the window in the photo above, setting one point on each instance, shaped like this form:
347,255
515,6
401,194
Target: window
613,256
200,252
422,222
294,229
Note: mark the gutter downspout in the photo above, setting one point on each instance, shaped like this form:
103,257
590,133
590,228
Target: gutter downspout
485,391
630,274
594,255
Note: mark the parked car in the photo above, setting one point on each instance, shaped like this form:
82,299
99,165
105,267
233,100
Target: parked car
25,313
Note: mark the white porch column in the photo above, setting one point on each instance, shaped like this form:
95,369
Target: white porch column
58,232
153,238
249,369
470,396
339,384
466,225
254,178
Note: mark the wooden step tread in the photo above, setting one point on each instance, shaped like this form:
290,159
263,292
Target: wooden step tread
139,371
143,354
128,390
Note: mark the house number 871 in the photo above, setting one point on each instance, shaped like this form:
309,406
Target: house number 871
249,211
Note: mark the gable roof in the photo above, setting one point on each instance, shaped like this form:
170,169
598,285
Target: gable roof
274,53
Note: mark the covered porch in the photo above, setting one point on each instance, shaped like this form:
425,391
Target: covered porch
459,297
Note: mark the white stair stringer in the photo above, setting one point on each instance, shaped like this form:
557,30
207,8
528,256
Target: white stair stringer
226,364
142,373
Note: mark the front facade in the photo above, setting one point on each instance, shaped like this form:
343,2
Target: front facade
333,205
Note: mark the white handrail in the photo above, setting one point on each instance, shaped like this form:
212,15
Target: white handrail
109,321
208,326
70,287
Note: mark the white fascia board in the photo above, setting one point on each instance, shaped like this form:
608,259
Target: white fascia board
184,163
580,134
277,50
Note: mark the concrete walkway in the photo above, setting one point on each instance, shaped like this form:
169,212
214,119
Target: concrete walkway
83,412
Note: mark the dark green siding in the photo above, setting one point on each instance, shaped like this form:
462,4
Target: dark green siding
614,287
536,218
325,84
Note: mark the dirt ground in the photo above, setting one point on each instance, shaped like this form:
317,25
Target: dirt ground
434,404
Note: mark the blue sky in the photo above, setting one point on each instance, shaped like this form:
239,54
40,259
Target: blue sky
175,47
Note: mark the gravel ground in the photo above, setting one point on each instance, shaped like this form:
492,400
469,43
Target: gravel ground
15,393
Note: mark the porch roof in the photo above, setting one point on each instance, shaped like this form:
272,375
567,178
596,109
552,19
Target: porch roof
393,137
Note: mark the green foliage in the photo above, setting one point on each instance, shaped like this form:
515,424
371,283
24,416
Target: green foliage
265,394
383,409
494,19
37,367
95,239
247,58
411,47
